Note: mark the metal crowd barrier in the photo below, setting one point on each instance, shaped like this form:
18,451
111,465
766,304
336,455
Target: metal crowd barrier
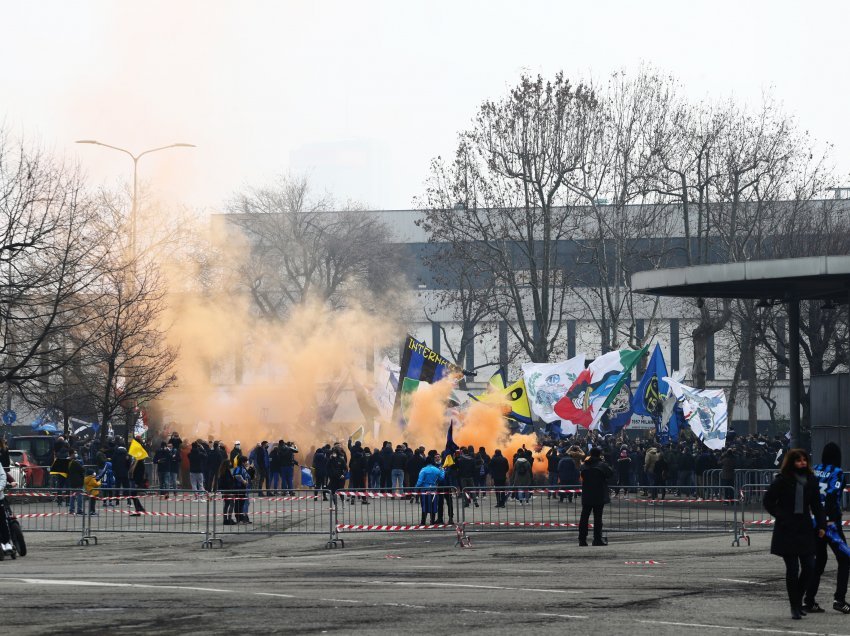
388,510
754,476
710,481
300,511
46,510
559,508
216,516
181,512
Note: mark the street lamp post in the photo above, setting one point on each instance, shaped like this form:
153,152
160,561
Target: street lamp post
134,209
133,217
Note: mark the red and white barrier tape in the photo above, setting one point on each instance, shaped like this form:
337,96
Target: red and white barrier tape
770,522
525,524
388,528
373,494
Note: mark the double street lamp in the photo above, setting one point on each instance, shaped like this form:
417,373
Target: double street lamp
134,210
133,219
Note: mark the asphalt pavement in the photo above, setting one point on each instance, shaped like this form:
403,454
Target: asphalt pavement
404,583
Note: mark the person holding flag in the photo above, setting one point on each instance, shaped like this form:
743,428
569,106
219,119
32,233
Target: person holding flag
831,484
792,499
138,475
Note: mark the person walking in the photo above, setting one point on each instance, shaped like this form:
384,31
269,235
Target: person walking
791,498
138,481
595,474
830,486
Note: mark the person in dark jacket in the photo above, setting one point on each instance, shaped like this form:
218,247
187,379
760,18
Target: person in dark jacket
467,470
197,460
499,472
160,459
483,460
138,481
336,473
624,470
373,470
791,498
398,463
661,471
211,465
259,459
595,474
320,469
830,486
288,463
76,479
552,460
414,466
568,476
121,470
224,483
357,468
386,459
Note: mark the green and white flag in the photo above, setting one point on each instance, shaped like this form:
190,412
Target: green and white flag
596,388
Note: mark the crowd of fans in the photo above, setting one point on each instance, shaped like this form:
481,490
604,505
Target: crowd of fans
638,465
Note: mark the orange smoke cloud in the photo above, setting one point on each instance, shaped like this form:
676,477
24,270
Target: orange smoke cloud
427,419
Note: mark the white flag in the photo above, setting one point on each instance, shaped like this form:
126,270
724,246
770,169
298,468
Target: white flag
386,385
705,412
547,383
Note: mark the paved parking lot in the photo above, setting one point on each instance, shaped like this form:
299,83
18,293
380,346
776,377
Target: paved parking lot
403,583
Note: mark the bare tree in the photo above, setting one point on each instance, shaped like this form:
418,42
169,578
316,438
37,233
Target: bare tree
503,203
51,255
126,361
733,167
468,292
302,249
627,225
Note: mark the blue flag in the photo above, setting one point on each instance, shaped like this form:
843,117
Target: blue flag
451,447
649,395
677,422
619,413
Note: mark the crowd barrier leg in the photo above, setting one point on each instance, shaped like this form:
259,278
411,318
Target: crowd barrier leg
333,536
740,525
86,536
209,532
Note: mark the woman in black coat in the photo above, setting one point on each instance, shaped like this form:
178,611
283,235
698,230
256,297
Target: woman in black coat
792,499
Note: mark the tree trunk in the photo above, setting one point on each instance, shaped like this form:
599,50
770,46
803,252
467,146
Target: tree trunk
752,386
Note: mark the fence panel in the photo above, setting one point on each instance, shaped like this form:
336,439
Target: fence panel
303,511
405,510
47,510
124,510
512,509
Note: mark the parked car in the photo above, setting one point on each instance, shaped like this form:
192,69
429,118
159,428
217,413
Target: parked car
25,471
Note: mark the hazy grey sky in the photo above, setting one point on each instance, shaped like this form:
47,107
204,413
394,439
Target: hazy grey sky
361,95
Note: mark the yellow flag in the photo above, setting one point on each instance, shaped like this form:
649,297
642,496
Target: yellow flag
357,436
137,450
448,461
515,394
